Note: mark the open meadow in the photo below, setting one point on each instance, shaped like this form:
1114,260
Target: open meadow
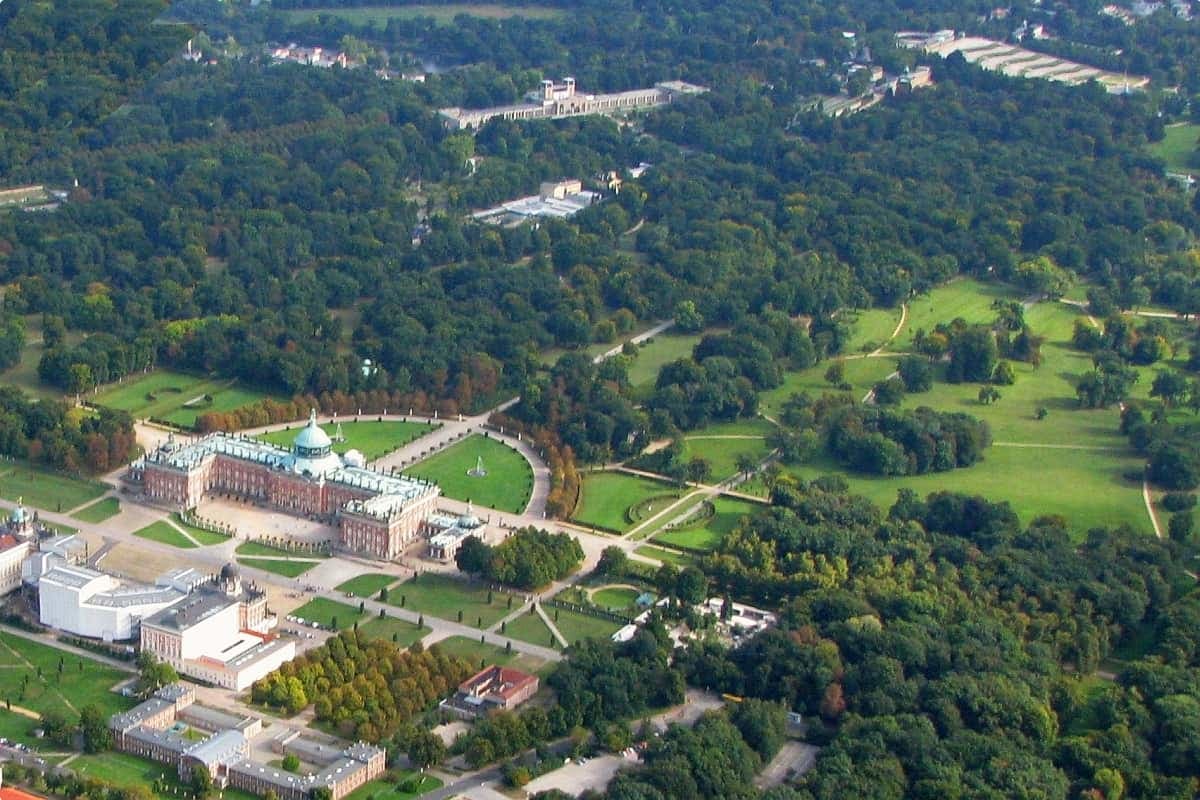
49,491
506,486
1179,147
176,397
443,596
30,679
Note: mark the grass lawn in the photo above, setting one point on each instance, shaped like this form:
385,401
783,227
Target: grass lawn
657,351
443,596
24,375
288,569
386,790
19,728
476,653
328,612
871,328
441,14
1087,487
967,298
707,534
372,439
575,626
125,770
722,454
861,374
78,686
605,497
506,486
405,632
615,598
162,532
98,512
49,491
1178,147
367,585
530,628
204,537
175,396
666,556
261,549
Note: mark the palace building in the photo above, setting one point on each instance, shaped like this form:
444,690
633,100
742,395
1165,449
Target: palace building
375,514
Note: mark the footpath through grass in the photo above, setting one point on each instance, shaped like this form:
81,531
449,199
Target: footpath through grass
607,497
371,438
706,533
506,486
49,491
83,681
442,596
206,538
163,533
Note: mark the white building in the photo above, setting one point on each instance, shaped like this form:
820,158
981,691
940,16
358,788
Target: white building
220,634
89,603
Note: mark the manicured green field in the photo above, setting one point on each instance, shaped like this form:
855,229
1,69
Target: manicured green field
728,512
329,613
24,374
476,653
721,451
175,396
262,549
77,687
288,569
441,14
575,626
1179,147
657,351
615,599
372,439
606,496
871,328
19,728
1087,487
443,596
49,491
530,628
367,585
100,511
165,534
206,538
405,632
507,485
387,790
666,556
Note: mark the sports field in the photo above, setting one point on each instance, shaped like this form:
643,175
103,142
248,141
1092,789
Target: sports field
443,596
607,497
372,439
329,614
441,14
99,511
707,532
506,486
1179,147
49,491
175,397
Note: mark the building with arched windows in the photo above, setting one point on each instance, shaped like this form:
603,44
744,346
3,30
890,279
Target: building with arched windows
375,514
